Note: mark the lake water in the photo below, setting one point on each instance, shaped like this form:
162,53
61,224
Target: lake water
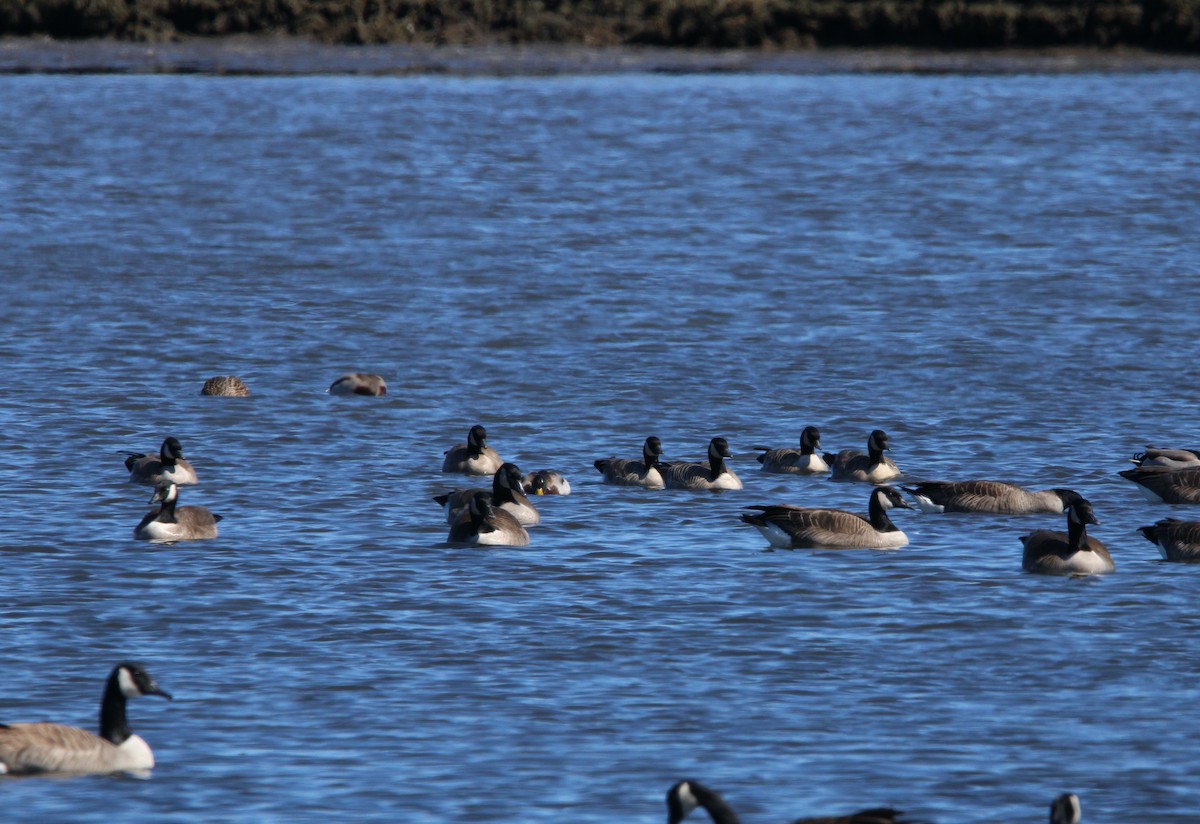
1000,271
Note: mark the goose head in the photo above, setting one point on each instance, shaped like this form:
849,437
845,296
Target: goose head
132,680
652,449
680,802
810,440
1065,810
890,498
718,448
171,450
877,443
165,493
477,439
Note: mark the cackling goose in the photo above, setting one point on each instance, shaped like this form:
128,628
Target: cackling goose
803,461
710,474
870,467
625,472
474,457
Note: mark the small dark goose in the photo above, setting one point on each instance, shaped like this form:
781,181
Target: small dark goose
995,497
506,494
482,525
1066,810
803,461
359,383
56,748
474,457
710,474
628,472
1166,485
1176,540
225,386
794,527
545,482
686,796
1170,458
1069,553
868,467
168,465
169,524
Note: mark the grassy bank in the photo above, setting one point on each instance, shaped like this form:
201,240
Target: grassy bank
1168,25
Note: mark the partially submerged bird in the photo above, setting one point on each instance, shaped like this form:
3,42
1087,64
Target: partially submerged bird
506,494
1176,540
169,524
1170,458
628,472
168,465
710,474
803,461
1170,486
358,383
474,457
545,482
226,386
995,497
871,466
56,748
1066,810
481,524
795,527
1070,553
686,796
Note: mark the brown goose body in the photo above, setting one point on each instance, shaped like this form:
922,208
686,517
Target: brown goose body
225,386
1073,552
1166,485
359,383
803,461
474,457
170,523
168,465
794,527
711,474
480,524
506,495
630,472
1176,540
872,466
686,796
994,497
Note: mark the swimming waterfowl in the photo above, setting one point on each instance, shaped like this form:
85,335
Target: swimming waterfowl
506,495
227,386
803,461
995,497
1066,810
1176,540
56,748
482,525
1170,458
710,474
869,467
1170,486
626,472
358,383
166,525
1070,553
474,457
795,527
686,796
168,465
545,482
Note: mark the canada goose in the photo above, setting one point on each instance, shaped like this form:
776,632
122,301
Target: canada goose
506,495
871,467
545,482
1066,810
803,461
1170,486
686,796
474,457
1176,540
167,465
624,472
227,386
1073,553
795,527
995,497
166,525
1170,458
710,474
481,524
358,383
56,748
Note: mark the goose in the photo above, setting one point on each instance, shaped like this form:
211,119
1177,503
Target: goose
626,472
995,497
1170,458
166,525
1066,810
358,383
871,467
226,386
795,527
481,524
545,482
1176,540
711,474
56,748
1170,486
167,465
1072,553
506,495
474,457
686,796
803,461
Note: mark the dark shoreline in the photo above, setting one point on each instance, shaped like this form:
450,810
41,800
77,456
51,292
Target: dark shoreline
291,56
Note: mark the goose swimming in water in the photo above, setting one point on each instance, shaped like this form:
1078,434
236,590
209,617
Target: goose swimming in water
794,527
628,472
506,495
1170,458
994,497
166,525
1066,810
225,386
686,796
358,383
1176,540
482,525
168,465
870,467
1070,553
56,748
803,461
545,482
710,474
474,457
1166,485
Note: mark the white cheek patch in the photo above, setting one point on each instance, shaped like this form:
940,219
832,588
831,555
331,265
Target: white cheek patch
128,687
686,800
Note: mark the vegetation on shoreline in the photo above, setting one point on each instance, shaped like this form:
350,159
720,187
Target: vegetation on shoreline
1166,25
